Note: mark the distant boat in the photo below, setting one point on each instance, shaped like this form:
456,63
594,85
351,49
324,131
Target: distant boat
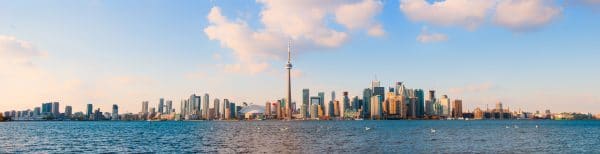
516,126
507,126
367,128
536,126
359,119
432,130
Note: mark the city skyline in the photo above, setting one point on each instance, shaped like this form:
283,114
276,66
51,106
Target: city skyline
113,52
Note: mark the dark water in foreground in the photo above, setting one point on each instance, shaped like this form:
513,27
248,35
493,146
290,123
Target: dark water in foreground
302,137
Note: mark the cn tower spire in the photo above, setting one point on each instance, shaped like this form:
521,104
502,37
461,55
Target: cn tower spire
288,66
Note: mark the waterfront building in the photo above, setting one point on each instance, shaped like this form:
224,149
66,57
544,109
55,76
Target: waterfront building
447,108
314,110
379,91
420,96
90,111
233,111
305,103
55,110
161,105
366,102
322,96
330,110
169,107
314,101
478,114
216,105
268,110
36,111
457,108
225,106
277,109
376,110
68,111
429,103
346,103
354,103
144,107
336,108
46,108
304,111
115,112
205,107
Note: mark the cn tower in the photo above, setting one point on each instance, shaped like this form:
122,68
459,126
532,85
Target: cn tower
288,66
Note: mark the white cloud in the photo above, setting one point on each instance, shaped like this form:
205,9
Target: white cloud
305,22
14,51
466,13
360,15
376,30
430,37
525,15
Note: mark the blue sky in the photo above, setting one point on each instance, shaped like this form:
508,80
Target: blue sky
125,52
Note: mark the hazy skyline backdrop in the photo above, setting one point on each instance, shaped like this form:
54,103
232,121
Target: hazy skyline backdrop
529,54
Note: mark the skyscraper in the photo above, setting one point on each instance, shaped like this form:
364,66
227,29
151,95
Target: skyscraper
169,107
288,66
447,108
420,95
457,108
68,111
115,112
322,96
217,109
161,105
55,110
376,111
90,111
367,101
379,91
205,106
46,108
429,108
305,103
314,102
144,107
268,110
345,103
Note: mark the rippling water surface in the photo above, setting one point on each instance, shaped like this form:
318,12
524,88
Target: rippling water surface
302,137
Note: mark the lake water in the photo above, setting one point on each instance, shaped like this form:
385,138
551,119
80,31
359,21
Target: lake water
302,137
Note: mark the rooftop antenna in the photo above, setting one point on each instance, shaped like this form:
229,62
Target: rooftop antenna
289,50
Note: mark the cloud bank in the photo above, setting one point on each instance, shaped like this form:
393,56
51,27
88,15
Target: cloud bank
304,22
515,15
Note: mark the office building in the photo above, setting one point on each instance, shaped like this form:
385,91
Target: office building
55,110
144,107
115,112
161,105
447,108
305,103
90,111
457,108
314,102
322,96
429,103
36,111
367,101
169,107
216,106
420,96
376,110
205,106
68,111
